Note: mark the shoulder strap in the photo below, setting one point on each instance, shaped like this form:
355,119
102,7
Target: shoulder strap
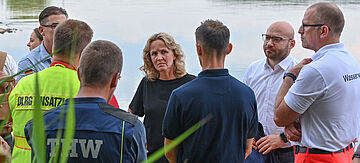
119,113
2,60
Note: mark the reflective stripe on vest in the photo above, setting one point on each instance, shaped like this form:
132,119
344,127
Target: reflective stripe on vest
20,142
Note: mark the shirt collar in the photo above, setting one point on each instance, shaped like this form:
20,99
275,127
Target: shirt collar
322,51
86,100
284,64
214,72
62,64
43,53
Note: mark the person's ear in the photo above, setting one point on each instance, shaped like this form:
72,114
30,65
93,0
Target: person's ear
292,43
78,73
114,80
324,31
198,49
229,49
41,30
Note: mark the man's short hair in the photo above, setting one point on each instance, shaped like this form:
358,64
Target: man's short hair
51,10
99,61
329,14
213,35
71,37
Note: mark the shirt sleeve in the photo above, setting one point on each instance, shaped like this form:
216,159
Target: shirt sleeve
137,102
22,65
307,88
10,67
171,127
140,139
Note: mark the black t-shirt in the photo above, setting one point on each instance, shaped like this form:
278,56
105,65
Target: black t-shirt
151,99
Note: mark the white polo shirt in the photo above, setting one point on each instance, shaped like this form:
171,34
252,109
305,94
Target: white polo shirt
327,94
266,82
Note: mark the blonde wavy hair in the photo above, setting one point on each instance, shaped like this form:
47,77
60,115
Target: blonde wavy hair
179,64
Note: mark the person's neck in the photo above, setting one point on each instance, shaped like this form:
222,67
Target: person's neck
72,62
273,62
48,47
86,91
168,75
212,63
327,42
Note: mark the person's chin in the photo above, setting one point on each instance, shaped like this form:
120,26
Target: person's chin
270,54
162,69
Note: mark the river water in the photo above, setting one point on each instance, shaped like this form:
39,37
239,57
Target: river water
129,23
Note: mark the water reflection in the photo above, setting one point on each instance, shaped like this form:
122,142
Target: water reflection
294,2
129,23
28,9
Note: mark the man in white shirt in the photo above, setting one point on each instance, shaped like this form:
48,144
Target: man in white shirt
9,64
264,77
323,91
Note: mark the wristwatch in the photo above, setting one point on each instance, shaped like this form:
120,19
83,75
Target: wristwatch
291,75
283,138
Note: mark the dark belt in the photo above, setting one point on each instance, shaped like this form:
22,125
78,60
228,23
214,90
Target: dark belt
299,149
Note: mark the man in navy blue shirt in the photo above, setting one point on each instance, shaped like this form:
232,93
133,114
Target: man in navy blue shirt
227,136
103,133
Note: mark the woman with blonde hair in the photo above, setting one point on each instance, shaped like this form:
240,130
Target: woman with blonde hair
164,69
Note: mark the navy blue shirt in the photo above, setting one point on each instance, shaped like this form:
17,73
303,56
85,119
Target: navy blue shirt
229,102
99,133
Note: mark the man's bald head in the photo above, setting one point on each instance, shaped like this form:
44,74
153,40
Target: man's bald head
278,42
282,28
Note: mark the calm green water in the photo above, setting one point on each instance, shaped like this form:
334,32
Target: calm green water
129,23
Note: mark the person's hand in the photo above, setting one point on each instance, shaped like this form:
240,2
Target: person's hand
293,131
7,128
296,69
254,144
4,144
269,143
249,146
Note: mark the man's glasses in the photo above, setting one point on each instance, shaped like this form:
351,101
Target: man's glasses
312,25
51,26
266,38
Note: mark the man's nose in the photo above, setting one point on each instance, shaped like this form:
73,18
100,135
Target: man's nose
269,43
301,30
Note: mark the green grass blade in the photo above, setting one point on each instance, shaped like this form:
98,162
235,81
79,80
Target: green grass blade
38,134
59,135
69,132
70,116
161,152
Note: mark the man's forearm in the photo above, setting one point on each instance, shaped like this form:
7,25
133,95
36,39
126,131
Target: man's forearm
285,86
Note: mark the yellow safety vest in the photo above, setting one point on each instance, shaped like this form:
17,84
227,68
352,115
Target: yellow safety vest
56,84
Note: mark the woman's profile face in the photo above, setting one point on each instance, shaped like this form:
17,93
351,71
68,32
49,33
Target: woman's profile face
33,42
161,56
